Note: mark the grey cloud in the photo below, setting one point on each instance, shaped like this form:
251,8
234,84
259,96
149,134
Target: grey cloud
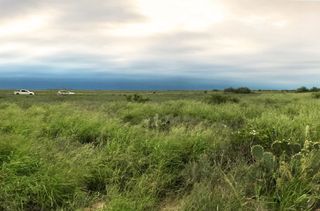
98,10
74,11
12,8
279,55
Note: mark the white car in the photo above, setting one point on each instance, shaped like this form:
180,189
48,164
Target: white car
65,92
23,92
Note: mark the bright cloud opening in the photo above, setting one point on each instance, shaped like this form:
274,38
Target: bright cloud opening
23,25
167,15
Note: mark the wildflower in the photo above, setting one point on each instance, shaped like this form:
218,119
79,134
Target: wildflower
253,132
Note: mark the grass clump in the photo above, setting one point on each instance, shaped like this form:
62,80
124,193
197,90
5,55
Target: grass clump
6,152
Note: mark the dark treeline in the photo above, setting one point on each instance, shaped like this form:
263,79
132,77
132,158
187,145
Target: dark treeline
246,90
241,90
305,89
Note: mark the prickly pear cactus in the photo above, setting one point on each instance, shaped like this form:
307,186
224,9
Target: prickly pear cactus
295,148
257,152
296,163
285,146
269,160
277,147
316,146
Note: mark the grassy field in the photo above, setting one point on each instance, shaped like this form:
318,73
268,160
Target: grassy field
177,150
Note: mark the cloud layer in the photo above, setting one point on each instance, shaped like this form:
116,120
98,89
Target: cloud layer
263,43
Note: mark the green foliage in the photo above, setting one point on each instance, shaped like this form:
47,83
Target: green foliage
294,148
176,153
137,98
257,152
315,95
265,159
6,152
268,160
277,148
220,99
96,181
284,147
241,90
314,89
302,89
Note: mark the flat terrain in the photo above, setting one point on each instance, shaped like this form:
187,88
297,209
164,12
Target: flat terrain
174,150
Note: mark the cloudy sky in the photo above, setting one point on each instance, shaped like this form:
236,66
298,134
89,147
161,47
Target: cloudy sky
187,44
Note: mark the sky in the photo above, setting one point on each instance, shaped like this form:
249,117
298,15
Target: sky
159,44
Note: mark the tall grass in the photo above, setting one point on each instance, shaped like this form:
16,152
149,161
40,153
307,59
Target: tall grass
189,154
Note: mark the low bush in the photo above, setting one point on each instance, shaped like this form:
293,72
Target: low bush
137,98
220,99
302,89
241,90
314,89
305,89
315,95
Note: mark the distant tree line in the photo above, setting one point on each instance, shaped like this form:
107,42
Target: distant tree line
246,90
305,89
241,90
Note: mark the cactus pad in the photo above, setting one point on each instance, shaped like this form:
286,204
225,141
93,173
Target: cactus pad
269,160
316,145
257,152
277,148
295,148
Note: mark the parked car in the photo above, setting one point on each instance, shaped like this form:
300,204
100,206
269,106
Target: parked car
23,92
65,92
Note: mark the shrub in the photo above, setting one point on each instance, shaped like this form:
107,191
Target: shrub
241,90
137,98
302,89
315,95
314,89
220,99
230,89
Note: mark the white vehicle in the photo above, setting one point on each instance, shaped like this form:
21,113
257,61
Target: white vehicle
23,92
65,92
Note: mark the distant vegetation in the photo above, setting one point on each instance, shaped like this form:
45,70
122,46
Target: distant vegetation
219,99
179,151
241,90
137,98
305,89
